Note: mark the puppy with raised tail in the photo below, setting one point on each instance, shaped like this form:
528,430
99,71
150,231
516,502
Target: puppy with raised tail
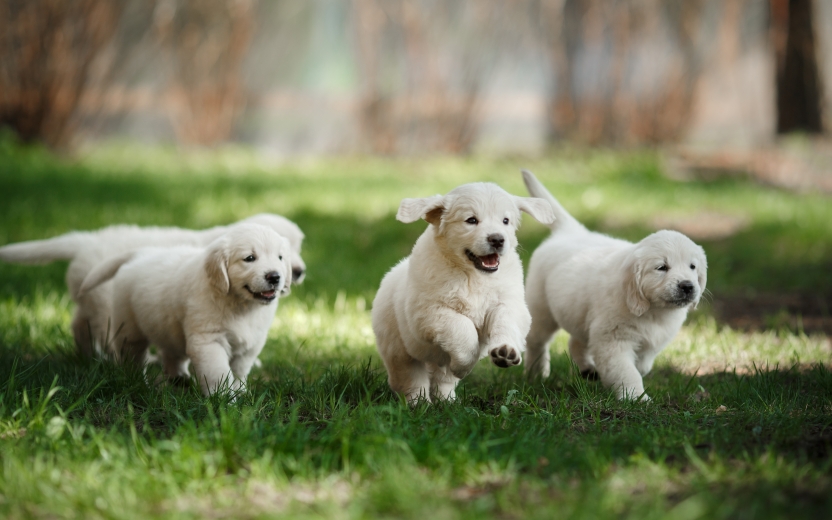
620,302
210,306
459,296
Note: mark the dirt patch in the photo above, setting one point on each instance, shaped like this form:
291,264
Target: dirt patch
808,313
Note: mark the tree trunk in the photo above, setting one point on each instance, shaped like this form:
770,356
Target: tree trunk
798,82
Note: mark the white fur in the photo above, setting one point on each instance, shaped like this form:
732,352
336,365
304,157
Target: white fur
610,296
92,322
198,305
435,314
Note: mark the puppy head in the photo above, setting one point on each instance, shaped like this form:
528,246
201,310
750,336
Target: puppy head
475,223
667,270
289,230
251,263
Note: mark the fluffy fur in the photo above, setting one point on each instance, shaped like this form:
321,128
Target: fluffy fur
208,306
620,302
459,296
92,322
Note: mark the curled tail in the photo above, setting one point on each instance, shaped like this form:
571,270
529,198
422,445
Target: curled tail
562,217
64,247
104,271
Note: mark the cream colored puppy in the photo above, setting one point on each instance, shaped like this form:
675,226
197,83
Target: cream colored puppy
210,306
92,322
620,302
459,296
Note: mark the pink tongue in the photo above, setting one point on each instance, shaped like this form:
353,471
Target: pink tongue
490,260
268,294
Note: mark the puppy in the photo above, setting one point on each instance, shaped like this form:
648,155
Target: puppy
92,323
210,306
620,302
459,296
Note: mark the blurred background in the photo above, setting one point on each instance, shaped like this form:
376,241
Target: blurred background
408,77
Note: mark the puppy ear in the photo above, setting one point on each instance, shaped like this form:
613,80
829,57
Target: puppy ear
287,269
541,210
216,266
429,208
636,301
701,274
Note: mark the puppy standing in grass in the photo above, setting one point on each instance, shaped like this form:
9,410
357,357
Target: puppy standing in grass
459,296
92,323
620,302
210,306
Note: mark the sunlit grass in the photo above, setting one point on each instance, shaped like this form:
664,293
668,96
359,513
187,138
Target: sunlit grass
739,425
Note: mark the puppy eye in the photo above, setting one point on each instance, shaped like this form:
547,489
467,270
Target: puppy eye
280,257
505,221
692,266
473,220
249,258
662,267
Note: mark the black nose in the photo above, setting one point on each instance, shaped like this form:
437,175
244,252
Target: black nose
273,277
297,275
686,286
496,240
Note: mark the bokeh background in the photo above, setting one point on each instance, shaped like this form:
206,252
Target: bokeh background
391,77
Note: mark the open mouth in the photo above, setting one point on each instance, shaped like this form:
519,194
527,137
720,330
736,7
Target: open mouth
265,296
487,263
681,302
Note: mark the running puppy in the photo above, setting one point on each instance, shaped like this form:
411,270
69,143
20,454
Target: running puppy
620,302
210,306
459,296
92,323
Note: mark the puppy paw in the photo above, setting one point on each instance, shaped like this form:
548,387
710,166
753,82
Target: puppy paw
505,356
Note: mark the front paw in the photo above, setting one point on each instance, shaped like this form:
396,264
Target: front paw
505,356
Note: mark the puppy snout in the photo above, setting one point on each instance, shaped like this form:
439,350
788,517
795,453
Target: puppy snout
686,286
273,277
496,240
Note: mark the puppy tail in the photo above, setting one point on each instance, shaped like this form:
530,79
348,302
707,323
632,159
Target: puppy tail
103,272
562,217
64,247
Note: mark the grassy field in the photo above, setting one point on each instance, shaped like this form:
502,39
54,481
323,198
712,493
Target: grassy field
740,425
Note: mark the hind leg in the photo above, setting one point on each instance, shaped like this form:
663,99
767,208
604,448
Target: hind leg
537,342
442,382
409,377
580,356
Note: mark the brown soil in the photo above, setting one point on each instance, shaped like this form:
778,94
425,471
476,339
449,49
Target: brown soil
798,312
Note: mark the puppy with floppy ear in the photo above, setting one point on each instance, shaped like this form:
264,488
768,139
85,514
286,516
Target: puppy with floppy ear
620,302
92,322
459,296
211,306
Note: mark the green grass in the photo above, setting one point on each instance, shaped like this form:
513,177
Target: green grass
740,425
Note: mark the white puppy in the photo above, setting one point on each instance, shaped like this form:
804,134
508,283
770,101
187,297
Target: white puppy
210,306
620,302
92,322
459,296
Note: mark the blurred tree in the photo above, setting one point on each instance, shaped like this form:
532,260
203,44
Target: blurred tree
625,71
52,52
207,41
798,81
422,66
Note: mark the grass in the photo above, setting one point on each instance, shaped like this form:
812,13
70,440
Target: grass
740,425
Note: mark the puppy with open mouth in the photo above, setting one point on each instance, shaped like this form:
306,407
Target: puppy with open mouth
459,296
620,302
211,307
